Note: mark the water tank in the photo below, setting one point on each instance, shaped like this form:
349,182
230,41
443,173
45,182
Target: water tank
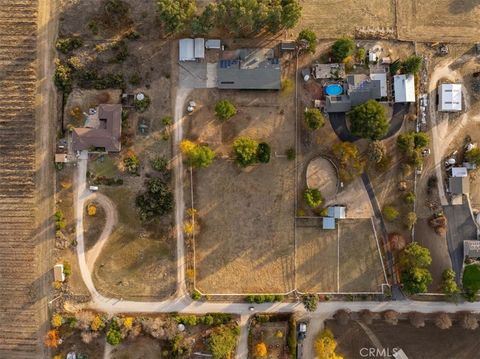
140,96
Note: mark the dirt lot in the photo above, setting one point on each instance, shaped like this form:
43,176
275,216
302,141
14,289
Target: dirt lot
427,342
343,260
246,216
141,347
273,334
72,342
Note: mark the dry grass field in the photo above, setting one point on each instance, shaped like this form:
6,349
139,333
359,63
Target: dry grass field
246,215
19,285
345,260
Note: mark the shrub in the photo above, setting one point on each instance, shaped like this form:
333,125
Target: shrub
376,151
263,152
350,161
245,150
473,156
261,350
93,27
142,105
342,317
121,51
57,320
156,201
91,209
310,38
342,48
469,321
310,302
449,284
98,323
409,197
410,220
290,153
416,280
412,64
196,295
59,220
225,110
390,213
52,339
396,241
325,345
313,197
369,120
314,118
391,317
287,86
68,44
167,120
159,163
63,76
132,163
199,156
471,280
292,337
443,321
414,255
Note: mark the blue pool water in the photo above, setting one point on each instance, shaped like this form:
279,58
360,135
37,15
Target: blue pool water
333,90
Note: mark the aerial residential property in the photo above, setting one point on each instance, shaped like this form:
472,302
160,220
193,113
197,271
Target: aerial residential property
239,179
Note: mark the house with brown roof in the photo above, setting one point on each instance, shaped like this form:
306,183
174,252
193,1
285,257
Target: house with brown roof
103,129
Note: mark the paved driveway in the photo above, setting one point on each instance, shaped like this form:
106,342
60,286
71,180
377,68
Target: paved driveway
460,227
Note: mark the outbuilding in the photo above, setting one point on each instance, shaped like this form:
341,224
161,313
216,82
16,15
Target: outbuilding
382,77
459,172
186,50
328,223
199,48
338,212
58,274
450,97
404,87
213,44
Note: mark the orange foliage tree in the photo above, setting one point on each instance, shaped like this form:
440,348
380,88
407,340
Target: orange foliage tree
52,338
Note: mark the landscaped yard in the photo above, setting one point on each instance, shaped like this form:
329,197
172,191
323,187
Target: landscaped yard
268,333
471,277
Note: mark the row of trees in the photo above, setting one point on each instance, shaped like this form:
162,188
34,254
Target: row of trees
238,17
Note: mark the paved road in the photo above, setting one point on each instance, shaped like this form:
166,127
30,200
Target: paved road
242,347
461,226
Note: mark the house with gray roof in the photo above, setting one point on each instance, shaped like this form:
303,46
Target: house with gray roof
471,249
249,69
459,185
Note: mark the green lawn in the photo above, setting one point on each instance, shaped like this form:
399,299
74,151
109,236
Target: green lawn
104,166
471,277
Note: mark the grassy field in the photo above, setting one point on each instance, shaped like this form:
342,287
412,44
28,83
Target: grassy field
246,216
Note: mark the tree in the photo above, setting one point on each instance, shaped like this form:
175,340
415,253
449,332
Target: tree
261,350
52,338
114,335
414,255
471,281
449,284
314,118
156,201
175,14
368,120
309,37
376,151
391,317
291,13
342,316
411,144
312,197
412,64
325,346
342,48
351,164
199,156
203,24
98,323
263,152
390,213
361,54
132,163
417,319
396,241
310,302
67,268
443,321
473,156
366,316
224,110
222,341
59,220
410,220
245,150
68,44
409,198
159,163
57,320
416,280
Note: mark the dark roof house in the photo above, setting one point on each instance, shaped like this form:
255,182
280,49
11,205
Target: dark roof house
104,130
361,89
459,185
249,69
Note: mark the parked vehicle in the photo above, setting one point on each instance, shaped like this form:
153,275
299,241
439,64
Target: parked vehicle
302,330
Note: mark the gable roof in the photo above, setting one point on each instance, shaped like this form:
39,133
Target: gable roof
361,89
107,135
459,185
186,50
404,87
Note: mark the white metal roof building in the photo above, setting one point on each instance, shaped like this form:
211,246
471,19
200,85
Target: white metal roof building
213,44
337,212
58,274
382,77
459,172
450,97
199,48
186,50
404,87
328,223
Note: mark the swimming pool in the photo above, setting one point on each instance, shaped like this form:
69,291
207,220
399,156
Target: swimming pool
333,90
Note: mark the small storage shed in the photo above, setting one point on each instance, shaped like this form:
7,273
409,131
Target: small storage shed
337,212
213,44
186,50
199,48
58,274
328,223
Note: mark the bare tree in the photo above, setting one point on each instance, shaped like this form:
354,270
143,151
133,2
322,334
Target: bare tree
84,319
366,316
391,317
396,241
342,316
443,321
417,319
469,321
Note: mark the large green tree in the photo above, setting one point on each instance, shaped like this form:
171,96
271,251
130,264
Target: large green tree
197,155
205,22
156,201
224,110
310,38
412,64
342,48
414,255
314,118
416,280
414,261
368,120
245,150
175,14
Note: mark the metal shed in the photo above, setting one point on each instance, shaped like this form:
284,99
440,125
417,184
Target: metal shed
328,223
213,44
186,50
199,48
